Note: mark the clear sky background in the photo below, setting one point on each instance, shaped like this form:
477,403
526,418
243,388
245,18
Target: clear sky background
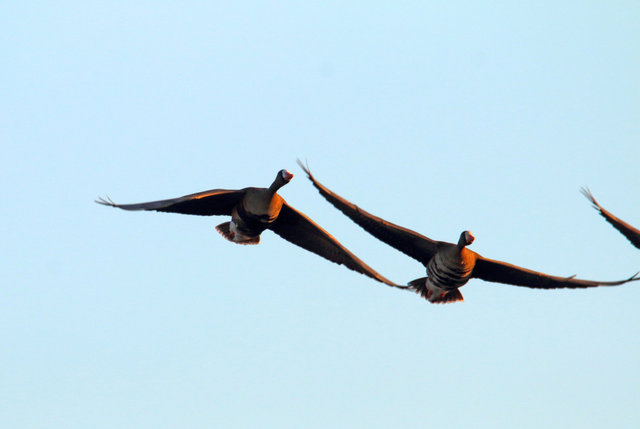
438,116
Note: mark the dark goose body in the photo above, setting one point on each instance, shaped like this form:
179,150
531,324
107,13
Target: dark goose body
449,266
252,211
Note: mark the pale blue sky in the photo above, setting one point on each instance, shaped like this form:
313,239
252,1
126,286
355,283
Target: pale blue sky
439,117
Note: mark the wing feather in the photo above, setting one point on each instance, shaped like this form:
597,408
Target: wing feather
632,234
403,239
207,203
502,272
298,229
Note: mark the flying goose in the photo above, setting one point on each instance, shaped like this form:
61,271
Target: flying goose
253,210
449,266
632,234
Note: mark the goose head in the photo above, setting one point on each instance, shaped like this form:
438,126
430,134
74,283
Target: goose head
466,238
286,175
282,178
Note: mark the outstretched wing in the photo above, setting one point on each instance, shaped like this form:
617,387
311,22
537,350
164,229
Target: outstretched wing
632,234
298,229
207,203
405,240
502,272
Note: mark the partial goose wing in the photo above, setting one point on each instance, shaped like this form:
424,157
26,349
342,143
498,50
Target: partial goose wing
207,203
502,272
405,240
632,234
297,228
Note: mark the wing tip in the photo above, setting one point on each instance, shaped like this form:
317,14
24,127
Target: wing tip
632,278
105,201
392,284
305,167
587,193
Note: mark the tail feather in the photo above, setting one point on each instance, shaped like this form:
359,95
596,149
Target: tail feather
225,230
420,287
447,297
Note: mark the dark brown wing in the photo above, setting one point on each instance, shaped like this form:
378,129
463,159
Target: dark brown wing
632,234
405,240
297,228
502,272
207,203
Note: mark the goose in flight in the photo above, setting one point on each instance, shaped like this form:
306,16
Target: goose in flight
632,234
253,210
449,265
